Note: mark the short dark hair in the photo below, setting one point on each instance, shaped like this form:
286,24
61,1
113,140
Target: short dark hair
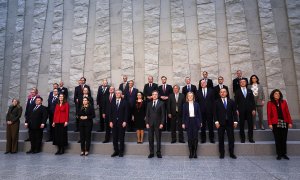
163,77
83,78
256,78
272,95
154,91
39,98
55,83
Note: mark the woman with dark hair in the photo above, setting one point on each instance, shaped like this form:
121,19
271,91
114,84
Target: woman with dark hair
259,98
60,123
191,122
86,114
12,129
139,114
279,120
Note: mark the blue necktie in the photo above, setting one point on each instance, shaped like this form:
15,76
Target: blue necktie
225,104
244,92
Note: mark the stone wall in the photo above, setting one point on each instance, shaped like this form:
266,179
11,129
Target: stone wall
45,41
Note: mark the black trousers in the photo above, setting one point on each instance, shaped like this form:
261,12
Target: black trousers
243,116
280,136
118,136
176,124
36,136
51,128
101,119
230,135
207,120
130,124
151,131
85,127
107,129
77,118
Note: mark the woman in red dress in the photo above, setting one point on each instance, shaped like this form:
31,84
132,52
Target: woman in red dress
60,123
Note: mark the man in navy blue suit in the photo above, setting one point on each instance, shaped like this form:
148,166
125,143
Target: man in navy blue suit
103,92
130,96
149,88
52,101
189,87
118,122
225,120
164,90
30,105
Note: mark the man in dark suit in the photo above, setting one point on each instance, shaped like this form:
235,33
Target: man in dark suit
29,106
164,91
175,103
130,97
149,88
103,92
209,82
78,95
36,121
244,100
155,118
118,121
205,98
111,98
124,85
52,101
54,86
225,120
220,86
189,87
236,81
63,90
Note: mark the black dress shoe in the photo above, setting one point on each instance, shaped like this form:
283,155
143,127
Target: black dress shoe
174,141
233,156
222,156
49,140
29,152
121,155
159,156
242,141
251,141
58,152
285,157
182,141
27,139
105,141
13,152
35,152
151,156
212,141
202,142
115,154
278,158
76,130
6,152
78,141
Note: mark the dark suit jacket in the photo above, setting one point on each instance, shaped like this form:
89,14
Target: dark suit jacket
169,90
225,116
29,107
244,104
172,104
37,117
107,105
89,112
155,116
64,91
121,87
209,83
236,83
51,104
130,98
78,92
118,115
193,89
217,91
148,90
101,96
186,115
14,113
206,104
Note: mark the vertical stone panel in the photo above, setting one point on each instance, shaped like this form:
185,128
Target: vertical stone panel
151,35
270,45
294,25
239,50
208,38
179,45
79,34
56,43
38,26
15,71
101,65
3,21
127,64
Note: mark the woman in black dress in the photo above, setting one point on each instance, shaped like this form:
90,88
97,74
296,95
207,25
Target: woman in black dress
139,117
86,115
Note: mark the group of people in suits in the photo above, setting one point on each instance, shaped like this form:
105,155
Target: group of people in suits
156,108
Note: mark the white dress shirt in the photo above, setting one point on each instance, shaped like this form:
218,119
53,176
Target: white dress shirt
191,109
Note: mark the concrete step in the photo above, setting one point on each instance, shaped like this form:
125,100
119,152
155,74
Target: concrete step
131,148
259,135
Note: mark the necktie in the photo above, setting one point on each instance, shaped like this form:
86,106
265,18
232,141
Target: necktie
54,98
150,85
204,93
164,88
130,91
31,100
110,97
189,89
225,103
35,107
103,90
154,104
244,92
118,103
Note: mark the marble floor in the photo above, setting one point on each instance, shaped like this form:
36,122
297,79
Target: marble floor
72,167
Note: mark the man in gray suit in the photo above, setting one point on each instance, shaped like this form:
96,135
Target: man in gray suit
175,103
155,118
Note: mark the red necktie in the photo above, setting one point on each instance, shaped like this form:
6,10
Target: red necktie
164,88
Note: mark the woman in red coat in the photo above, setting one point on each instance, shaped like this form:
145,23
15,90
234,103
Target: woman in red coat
60,123
279,120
